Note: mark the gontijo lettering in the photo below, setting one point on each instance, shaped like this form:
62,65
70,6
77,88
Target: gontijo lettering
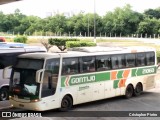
85,79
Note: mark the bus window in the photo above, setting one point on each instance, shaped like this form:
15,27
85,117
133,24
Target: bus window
103,63
118,61
114,60
150,58
121,61
7,59
130,60
2,66
50,77
87,64
140,57
70,66
52,66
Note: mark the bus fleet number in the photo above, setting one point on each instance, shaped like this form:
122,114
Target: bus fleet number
147,71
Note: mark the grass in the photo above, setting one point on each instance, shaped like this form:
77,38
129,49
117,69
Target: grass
114,40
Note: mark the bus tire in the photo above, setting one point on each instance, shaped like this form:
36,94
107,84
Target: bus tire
138,89
66,103
129,91
4,94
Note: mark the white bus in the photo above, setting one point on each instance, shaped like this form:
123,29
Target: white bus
8,53
43,81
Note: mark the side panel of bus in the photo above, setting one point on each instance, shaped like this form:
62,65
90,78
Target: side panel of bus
107,84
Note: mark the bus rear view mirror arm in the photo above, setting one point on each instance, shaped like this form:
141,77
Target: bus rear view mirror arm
158,65
39,76
5,72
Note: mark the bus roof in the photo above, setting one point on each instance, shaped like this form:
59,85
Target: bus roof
11,44
88,51
22,49
111,49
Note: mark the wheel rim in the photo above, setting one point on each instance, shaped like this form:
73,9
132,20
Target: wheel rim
65,103
129,92
3,95
138,88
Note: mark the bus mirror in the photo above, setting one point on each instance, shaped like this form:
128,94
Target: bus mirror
7,72
38,76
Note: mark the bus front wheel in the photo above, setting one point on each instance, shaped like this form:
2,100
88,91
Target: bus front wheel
66,103
129,91
4,94
138,89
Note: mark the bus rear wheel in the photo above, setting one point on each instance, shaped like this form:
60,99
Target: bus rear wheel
129,91
4,94
138,89
66,103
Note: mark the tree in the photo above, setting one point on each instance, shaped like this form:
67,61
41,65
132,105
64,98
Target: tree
122,21
57,24
2,18
60,42
153,13
46,44
149,26
32,24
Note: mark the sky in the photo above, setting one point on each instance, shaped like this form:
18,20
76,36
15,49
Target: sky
44,8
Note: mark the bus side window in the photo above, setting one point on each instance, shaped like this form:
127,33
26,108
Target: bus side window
130,60
103,63
114,60
87,64
121,61
7,59
1,62
150,58
140,59
70,66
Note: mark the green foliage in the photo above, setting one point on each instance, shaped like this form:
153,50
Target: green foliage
20,39
120,22
149,26
153,13
71,44
60,42
158,56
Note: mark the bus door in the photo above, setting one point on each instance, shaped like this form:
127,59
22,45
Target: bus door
50,78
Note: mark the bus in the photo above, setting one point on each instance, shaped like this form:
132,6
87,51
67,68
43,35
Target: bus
43,81
8,53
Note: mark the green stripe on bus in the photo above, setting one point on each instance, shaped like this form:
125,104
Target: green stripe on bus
115,84
102,76
144,71
120,73
134,72
70,80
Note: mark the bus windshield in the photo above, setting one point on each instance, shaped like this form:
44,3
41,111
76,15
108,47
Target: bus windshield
23,83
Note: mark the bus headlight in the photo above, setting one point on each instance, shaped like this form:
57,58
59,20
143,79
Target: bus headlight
35,100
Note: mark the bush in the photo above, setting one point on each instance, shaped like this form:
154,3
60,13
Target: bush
60,42
158,56
71,44
20,39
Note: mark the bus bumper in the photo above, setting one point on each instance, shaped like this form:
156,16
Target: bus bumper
35,106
